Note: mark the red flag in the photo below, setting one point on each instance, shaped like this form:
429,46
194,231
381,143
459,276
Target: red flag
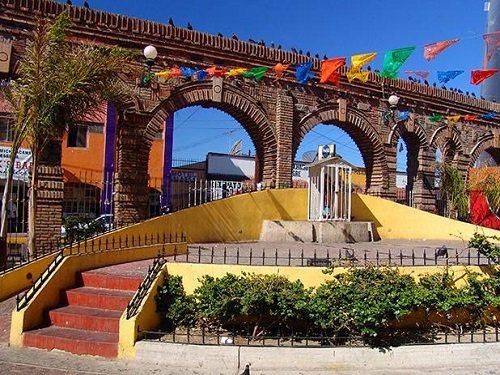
433,49
329,71
471,117
279,69
175,72
478,76
213,71
492,41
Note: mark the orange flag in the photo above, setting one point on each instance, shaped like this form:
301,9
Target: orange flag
433,49
329,71
478,76
279,69
175,72
471,117
214,72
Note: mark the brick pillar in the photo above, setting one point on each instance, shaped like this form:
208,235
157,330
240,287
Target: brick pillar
49,197
424,191
386,188
131,197
284,131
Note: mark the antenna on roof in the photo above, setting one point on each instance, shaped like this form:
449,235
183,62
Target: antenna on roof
236,147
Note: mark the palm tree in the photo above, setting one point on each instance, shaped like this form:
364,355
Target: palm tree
59,82
455,191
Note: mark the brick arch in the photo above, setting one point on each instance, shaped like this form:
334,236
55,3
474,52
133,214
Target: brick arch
359,130
451,147
485,143
399,130
242,107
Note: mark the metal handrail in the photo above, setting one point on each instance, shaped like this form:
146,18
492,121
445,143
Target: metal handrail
153,271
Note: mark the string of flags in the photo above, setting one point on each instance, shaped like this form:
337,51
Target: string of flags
330,70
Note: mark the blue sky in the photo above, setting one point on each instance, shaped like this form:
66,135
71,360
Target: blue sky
335,28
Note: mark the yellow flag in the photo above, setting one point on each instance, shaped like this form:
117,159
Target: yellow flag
362,76
453,118
163,73
236,72
357,61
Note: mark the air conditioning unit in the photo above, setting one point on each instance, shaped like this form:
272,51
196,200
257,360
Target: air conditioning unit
326,151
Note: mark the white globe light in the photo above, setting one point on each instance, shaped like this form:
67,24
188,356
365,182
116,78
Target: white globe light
393,100
150,52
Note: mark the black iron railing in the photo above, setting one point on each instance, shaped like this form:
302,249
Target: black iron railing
97,246
445,335
261,256
153,271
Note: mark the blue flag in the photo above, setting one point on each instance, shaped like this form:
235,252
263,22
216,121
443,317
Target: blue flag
201,74
448,75
403,115
489,115
303,72
187,72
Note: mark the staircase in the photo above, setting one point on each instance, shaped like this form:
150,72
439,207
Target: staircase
88,323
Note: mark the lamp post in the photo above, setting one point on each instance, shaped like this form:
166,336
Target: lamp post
150,53
393,101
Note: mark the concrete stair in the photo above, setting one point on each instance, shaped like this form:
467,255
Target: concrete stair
88,321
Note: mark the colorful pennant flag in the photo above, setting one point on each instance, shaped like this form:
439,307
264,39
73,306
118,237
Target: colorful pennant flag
329,70
214,72
393,60
236,72
405,115
436,118
357,61
163,74
478,76
433,49
446,76
454,118
279,69
201,75
492,41
303,72
424,74
471,117
187,72
256,73
362,76
489,115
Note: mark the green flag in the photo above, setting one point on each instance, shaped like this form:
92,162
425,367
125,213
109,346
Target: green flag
436,118
393,60
257,73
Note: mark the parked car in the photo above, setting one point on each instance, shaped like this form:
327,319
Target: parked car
77,228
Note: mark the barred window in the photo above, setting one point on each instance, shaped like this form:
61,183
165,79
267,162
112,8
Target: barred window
77,136
6,128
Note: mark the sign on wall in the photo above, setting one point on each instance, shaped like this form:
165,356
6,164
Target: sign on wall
22,163
5,52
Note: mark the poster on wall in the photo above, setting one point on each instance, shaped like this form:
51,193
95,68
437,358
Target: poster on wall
21,165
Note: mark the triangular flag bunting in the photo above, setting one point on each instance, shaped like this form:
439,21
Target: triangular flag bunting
424,74
471,117
214,72
403,115
362,76
433,49
492,41
187,72
446,76
357,61
175,72
454,118
201,75
436,118
236,72
478,76
329,70
393,60
489,115
279,69
303,72
256,73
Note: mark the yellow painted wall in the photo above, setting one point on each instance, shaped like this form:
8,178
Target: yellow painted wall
64,277
147,319
397,221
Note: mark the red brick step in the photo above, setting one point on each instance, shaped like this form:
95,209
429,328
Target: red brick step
103,280
86,318
73,340
112,299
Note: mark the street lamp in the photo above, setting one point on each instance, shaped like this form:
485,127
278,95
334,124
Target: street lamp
393,101
150,53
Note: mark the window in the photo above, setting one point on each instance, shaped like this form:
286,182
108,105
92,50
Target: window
6,129
77,136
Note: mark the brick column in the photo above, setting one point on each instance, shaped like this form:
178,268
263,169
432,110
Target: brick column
131,179
284,130
424,191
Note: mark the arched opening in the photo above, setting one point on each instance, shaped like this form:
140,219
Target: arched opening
361,134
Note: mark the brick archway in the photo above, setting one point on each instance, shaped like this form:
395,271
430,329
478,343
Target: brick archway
485,143
363,134
448,140
242,107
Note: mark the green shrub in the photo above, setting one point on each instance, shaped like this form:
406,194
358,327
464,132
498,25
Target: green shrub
177,309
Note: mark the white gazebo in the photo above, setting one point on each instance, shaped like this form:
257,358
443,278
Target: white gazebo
329,192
